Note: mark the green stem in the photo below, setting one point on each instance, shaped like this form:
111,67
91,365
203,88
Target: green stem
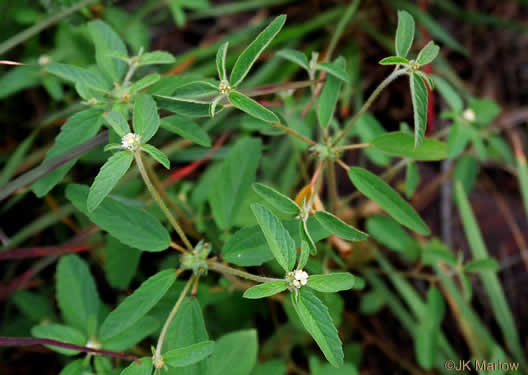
36,29
219,267
173,312
157,198
368,103
352,147
293,133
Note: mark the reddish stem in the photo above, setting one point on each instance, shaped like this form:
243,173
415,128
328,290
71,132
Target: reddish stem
27,341
35,252
187,170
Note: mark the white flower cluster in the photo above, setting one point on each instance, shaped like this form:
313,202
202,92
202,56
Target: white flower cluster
300,278
469,115
224,88
131,142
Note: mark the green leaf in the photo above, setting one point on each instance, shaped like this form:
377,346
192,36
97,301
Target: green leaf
235,354
337,226
295,57
197,90
79,128
221,61
126,340
372,302
394,60
391,234
266,289
425,77
377,190
248,57
130,225
213,104
486,111
248,246
482,265
187,328
107,41
142,368
185,107
186,128
334,70
61,333
145,82
419,101
76,367
156,57
121,263
404,33
448,93
436,251
458,139
117,122
276,199
139,303
466,171
188,355
317,321
157,154
251,107
108,176
329,95
146,118
79,75
76,294
305,254
237,173
335,282
428,53
402,144
412,179
278,238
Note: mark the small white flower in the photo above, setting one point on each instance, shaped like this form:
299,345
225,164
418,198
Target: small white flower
93,344
44,60
224,88
469,115
297,284
301,276
131,142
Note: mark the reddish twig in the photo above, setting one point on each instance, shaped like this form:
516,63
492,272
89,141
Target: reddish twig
187,170
35,252
28,341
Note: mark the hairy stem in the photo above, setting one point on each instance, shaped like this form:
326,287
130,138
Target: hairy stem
293,133
352,147
157,198
173,312
219,267
369,102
